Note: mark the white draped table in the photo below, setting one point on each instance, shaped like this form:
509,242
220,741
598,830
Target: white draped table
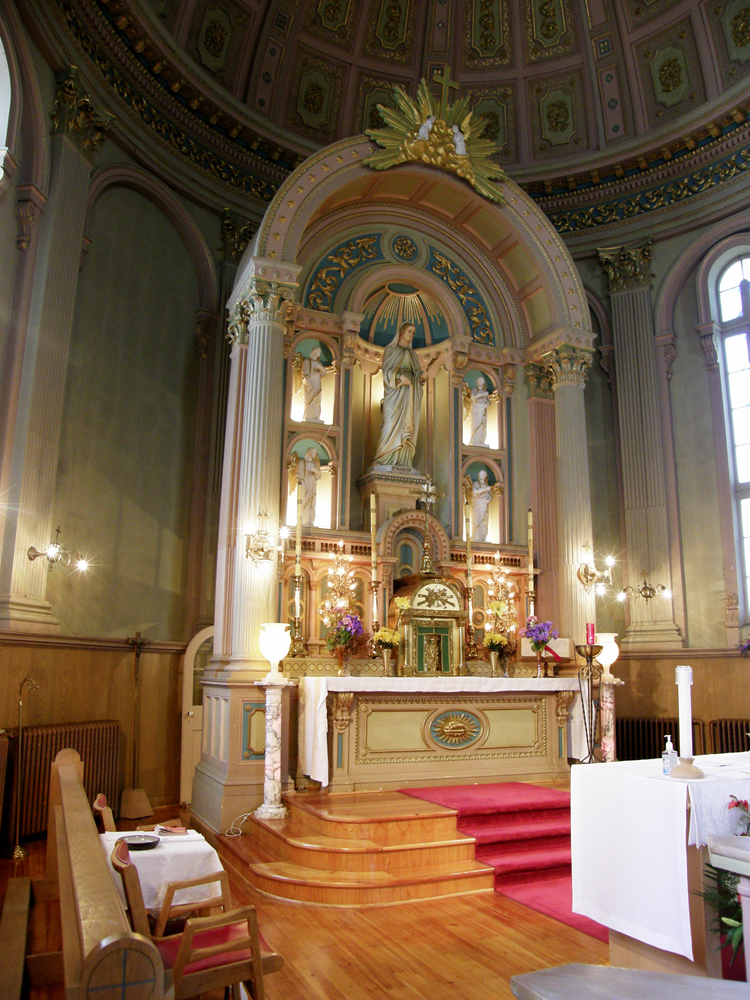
313,716
631,841
176,858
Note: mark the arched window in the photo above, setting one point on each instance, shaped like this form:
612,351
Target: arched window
4,107
734,309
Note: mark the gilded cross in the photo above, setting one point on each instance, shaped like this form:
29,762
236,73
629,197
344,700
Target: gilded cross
442,77
428,495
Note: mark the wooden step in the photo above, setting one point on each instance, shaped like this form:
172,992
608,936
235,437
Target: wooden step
386,818
291,840
345,888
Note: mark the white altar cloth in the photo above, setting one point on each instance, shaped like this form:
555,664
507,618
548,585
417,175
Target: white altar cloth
313,717
629,843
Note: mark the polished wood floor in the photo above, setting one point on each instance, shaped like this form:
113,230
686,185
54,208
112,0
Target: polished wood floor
462,948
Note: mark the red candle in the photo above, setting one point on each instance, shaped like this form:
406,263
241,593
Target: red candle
590,634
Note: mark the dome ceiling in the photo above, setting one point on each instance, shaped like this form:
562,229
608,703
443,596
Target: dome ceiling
556,79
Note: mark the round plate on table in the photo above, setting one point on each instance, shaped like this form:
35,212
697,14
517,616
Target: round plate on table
141,841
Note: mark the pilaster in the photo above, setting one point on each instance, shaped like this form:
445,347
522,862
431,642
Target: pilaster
542,472
41,364
641,419
566,367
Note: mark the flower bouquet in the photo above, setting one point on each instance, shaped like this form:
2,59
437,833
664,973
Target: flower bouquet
346,637
496,643
387,638
745,647
539,634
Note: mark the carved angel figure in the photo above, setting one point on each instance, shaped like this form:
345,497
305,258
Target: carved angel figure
482,493
426,127
476,404
307,472
308,378
459,141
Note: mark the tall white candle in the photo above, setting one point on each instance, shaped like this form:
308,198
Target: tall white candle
683,678
373,538
530,546
298,532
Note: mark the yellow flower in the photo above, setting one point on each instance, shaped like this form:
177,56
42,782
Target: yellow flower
495,641
402,603
498,607
387,637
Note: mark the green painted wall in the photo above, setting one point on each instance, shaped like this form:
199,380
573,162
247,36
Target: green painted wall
126,454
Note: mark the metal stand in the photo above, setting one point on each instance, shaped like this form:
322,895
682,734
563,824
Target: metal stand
20,852
298,647
589,673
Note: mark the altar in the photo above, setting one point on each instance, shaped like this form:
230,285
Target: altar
360,733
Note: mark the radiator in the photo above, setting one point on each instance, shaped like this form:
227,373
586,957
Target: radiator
729,735
98,744
643,739
4,755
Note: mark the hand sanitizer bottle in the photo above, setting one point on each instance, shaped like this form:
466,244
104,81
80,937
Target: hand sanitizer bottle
669,758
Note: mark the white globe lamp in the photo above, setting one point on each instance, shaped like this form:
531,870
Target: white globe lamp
610,652
274,640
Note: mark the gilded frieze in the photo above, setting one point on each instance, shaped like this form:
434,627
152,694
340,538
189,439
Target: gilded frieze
487,38
257,186
343,259
390,32
549,29
332,20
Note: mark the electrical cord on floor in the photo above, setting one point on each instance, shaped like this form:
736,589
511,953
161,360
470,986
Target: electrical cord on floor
235,827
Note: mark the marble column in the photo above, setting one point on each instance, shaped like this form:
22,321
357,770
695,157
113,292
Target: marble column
645,496
246,592
567,368
41,376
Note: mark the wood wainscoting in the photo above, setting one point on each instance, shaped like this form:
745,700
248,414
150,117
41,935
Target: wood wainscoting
88,679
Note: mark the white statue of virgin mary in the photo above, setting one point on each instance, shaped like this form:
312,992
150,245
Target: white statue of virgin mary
403,382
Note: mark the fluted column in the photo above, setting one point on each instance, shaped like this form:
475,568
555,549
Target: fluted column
647,533
567,368
246,592
78,129
543,500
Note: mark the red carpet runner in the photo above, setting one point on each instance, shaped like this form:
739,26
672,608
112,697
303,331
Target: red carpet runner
523,831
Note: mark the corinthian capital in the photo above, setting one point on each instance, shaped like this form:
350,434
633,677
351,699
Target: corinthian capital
567,364
539,381
627,267
262,302
74,114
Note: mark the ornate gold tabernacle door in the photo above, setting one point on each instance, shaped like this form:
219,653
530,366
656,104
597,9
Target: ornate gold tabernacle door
432,627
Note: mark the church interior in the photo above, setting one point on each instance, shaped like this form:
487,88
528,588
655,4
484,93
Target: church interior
416,320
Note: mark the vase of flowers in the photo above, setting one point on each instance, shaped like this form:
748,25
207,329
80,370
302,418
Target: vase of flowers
745,647
385,641
496,643
539,634
345,636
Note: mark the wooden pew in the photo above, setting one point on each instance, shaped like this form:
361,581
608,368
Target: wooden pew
99,950
13,929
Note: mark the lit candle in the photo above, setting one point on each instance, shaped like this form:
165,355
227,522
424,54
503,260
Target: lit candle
590,634
683,678
373,537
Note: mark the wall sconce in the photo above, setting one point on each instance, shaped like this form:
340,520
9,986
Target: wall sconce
258,544
648,592
590,576
55,553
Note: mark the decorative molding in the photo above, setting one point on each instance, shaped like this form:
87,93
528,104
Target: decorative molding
234,237
73,114
667,343
627,266
709,334
567,364
509,379
563,701
343,259
26,216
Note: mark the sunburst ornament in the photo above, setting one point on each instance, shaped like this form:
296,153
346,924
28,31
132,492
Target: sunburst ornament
446,136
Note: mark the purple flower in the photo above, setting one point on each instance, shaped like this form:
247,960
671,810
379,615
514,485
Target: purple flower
538,633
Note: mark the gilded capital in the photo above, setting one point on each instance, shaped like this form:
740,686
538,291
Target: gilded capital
73,114
627,267
262,302
234,237
539,382
567,364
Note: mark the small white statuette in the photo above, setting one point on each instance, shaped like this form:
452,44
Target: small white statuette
308,377
476,403
459,141
426,127
480,506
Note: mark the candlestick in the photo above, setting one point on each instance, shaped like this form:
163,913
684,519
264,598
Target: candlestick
471,644
530,544
298,531
590,634
373,538
683,678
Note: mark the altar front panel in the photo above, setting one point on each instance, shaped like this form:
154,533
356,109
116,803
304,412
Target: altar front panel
393,740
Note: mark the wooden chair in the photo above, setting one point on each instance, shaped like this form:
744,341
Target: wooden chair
212,952
101,809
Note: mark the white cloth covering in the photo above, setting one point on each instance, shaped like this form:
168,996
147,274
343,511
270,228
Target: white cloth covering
629,836
313,717
176,858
